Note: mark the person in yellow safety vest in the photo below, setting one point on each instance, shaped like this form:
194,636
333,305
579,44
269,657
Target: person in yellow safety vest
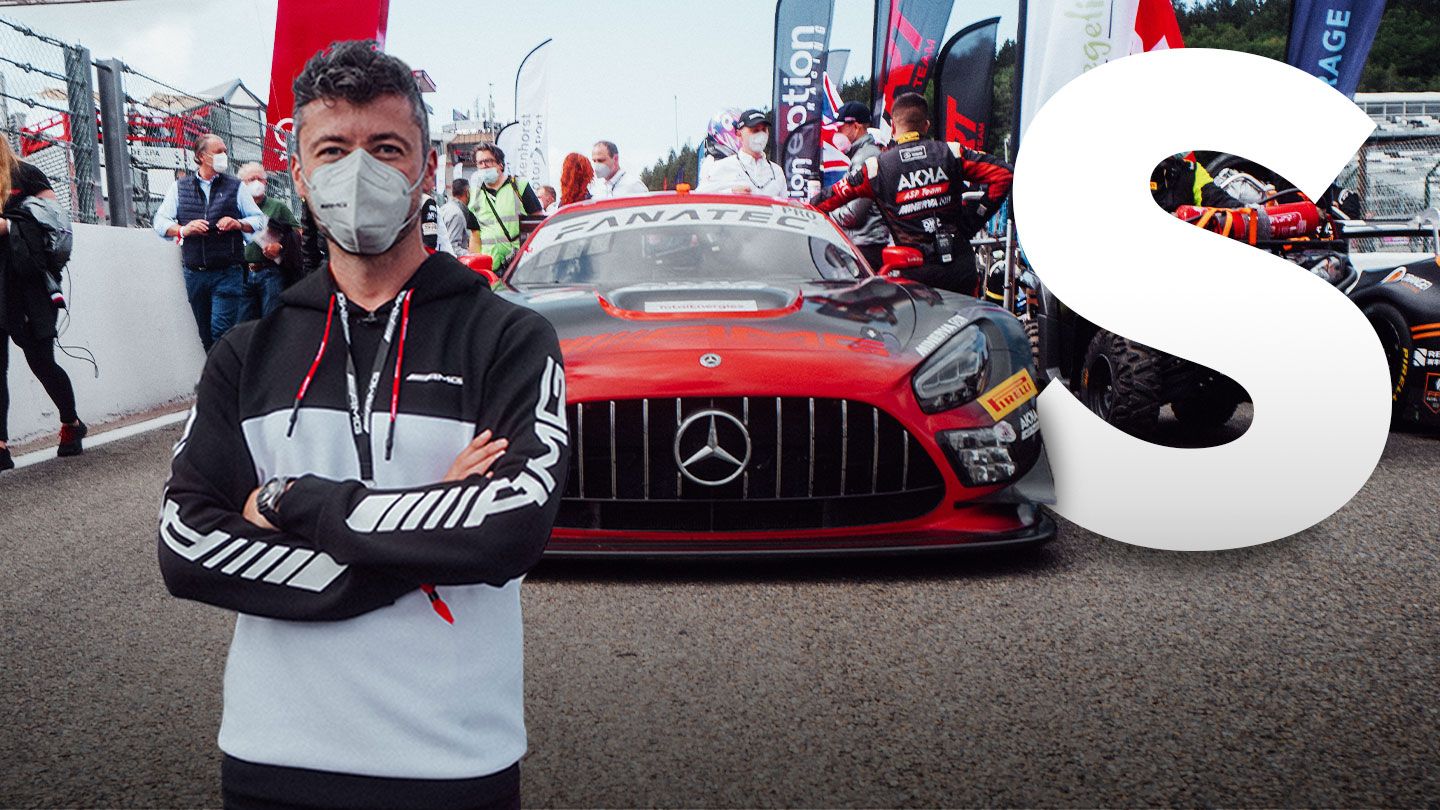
498,203
1181,180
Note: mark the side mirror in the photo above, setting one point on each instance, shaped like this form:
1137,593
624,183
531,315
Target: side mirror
482,263
896,258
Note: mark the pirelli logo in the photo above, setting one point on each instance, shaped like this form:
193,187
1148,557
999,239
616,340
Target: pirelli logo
1015,391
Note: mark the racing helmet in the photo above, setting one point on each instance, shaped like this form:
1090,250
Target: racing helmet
722,130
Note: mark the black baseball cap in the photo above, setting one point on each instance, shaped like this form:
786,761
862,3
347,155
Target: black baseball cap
853,112
751,118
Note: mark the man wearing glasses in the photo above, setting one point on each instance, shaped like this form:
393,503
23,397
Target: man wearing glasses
498,205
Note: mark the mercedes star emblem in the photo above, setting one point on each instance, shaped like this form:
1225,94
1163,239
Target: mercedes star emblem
709,360
712,464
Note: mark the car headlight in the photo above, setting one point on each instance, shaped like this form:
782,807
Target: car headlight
955,374
980,455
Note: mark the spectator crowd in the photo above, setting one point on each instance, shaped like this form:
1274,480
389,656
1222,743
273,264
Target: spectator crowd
241,246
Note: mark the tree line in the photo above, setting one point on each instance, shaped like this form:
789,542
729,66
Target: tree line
1402,59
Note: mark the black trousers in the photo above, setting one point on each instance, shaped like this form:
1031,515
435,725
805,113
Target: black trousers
252,786
957,276
40,355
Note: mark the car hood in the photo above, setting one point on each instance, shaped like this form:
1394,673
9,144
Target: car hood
874,317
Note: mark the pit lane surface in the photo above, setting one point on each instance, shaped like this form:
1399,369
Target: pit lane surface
1302,672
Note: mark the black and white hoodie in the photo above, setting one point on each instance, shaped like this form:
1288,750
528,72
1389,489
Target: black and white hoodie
340,661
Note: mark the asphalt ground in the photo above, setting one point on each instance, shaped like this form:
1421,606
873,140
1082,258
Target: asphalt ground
1298,673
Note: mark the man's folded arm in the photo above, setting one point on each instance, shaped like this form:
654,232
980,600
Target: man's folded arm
210,553
480,529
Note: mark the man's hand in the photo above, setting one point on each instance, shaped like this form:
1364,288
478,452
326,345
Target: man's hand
271,250
195,226
477,457
228,224
742,190
252,512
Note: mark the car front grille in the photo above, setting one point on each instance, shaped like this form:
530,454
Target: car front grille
813,463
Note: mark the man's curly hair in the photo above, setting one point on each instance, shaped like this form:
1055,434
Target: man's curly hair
359,72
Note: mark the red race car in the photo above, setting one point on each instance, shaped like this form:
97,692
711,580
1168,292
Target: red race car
741,382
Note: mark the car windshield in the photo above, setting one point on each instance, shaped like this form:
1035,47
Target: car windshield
679,242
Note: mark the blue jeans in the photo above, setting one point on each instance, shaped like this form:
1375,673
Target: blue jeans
217,297
262,292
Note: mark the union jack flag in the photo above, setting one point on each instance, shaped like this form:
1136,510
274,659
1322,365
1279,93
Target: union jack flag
832,161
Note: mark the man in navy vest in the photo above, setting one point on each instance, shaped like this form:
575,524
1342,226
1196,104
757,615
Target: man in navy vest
210,213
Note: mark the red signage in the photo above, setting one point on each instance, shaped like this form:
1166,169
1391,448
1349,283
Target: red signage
960,129
303,27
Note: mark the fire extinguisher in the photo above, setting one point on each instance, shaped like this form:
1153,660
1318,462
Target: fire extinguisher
1274,221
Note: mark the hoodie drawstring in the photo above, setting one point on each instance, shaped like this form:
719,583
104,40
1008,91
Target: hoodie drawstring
314,365
436,603
395,388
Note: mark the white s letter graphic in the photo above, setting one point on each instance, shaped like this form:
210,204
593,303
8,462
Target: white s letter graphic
1312,364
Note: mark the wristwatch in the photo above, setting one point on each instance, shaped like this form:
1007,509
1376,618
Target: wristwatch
267,503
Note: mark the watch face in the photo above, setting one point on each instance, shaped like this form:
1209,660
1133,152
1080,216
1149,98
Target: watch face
270,494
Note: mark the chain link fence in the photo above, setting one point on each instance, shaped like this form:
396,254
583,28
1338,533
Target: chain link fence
163,123
48,114
1397,174
52,117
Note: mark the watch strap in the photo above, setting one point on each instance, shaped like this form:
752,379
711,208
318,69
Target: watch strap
267,503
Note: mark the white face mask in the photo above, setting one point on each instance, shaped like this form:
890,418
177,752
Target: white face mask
361,203
255,188
842,141
487,175
757,141
220,162
602,170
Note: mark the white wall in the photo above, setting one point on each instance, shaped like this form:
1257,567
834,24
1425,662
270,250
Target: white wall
128,307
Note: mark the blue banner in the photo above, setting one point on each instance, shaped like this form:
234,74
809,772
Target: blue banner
1330,39
802,39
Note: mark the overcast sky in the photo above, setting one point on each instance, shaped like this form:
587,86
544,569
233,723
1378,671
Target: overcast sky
617,66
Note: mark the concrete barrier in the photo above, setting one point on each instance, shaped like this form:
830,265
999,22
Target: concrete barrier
127,307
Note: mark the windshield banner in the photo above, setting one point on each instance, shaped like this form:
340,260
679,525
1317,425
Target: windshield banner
1330,39
965,85
609,222
802,38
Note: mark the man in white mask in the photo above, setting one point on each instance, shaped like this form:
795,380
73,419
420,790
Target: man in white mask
610,179
860,219
210,213
377,655
747,171
263,253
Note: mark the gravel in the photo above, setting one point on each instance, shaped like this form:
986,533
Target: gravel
1088,672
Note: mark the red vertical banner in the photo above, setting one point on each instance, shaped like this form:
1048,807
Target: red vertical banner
303,27
912,41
